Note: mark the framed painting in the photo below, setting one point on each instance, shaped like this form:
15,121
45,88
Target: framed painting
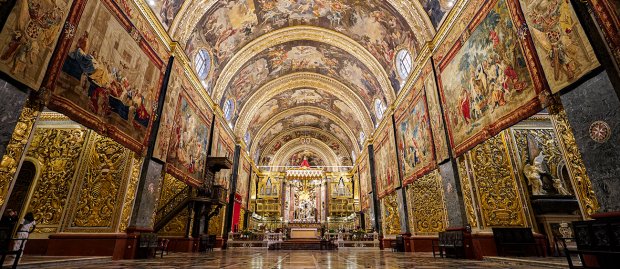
561,44
414,137
104,75
489,80
189,142
29,36
386,169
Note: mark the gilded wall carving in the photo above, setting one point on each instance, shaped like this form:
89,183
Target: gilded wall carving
427,209
498,194
216,223
177,226
580,180
466,191
170,187
15,147
391,215
241,216
58,151
130,194
104,173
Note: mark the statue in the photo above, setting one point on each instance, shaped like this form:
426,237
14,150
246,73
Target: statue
533,174
559,187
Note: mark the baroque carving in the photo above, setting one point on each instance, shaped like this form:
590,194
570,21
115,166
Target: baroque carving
466,190
580,180
391,215
427,209
130,194
58,150
498,194
15,147
105,171
178,224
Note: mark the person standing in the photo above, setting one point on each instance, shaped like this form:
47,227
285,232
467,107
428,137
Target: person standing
26,226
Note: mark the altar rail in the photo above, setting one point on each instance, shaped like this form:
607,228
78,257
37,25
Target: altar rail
354,240
254,240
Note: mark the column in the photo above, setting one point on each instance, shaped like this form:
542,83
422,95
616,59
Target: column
231,193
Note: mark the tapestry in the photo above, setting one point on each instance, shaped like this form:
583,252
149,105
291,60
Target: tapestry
364,176
103,78
29,36
243,179
563,48
176,82
189,141
485,81
414,137
434,114
223,146
386,169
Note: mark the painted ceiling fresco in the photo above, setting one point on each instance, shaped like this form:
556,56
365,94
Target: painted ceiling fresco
313,158
229,25
437,10
302,56
304,97
311,119
165,10
297,136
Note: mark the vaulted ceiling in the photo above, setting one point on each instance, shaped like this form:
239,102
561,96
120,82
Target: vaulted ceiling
302,77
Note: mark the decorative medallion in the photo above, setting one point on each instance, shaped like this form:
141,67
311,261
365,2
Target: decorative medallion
600,131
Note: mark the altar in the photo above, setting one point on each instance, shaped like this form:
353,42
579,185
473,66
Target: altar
304,233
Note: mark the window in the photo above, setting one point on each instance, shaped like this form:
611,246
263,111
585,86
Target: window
228,109
403,63
202,64
379,109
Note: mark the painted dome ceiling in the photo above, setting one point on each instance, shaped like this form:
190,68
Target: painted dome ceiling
283,70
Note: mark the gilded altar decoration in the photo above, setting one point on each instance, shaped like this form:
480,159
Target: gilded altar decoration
106,76
386,169
189,141
486,80
130,194
414,136
391,215
28,38
580,180
496,185
223,145
435,115
427,209
102,180
58,150
16,146
466,192
563,48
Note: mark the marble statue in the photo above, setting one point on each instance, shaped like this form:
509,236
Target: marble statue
533,174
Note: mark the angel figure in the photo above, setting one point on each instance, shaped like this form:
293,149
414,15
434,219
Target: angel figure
532,173
559,187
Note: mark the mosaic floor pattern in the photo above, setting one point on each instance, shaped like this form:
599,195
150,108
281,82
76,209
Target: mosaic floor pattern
297,260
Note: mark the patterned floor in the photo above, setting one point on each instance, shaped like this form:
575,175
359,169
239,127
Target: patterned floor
296,260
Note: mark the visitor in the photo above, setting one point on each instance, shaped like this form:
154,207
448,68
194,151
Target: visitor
26,226
7,223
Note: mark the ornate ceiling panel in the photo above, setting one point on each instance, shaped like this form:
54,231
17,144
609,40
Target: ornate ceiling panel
276,96
300,136
304,116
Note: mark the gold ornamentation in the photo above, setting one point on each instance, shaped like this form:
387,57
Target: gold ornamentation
15,147
169,188
216,223
466,191
130,194
580,180
104,174
391,215
176,226
498,193
427,209
58,150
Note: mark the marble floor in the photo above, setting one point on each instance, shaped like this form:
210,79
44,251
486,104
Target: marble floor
243,258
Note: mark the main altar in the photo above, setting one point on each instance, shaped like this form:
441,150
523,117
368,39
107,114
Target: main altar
304,206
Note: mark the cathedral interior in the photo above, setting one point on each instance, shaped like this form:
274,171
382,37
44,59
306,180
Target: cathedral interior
310,133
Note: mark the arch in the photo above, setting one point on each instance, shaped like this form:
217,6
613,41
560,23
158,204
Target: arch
303,79
316,145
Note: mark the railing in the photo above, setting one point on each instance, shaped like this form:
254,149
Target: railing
354,240
172,204
254,240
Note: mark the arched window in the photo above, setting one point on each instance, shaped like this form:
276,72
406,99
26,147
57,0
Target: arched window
379,109
228,109
202,64
404,63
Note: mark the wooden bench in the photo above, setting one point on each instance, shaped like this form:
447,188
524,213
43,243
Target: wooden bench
451,242
598,239
515,240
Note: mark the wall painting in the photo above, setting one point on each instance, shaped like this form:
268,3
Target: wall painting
385,161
